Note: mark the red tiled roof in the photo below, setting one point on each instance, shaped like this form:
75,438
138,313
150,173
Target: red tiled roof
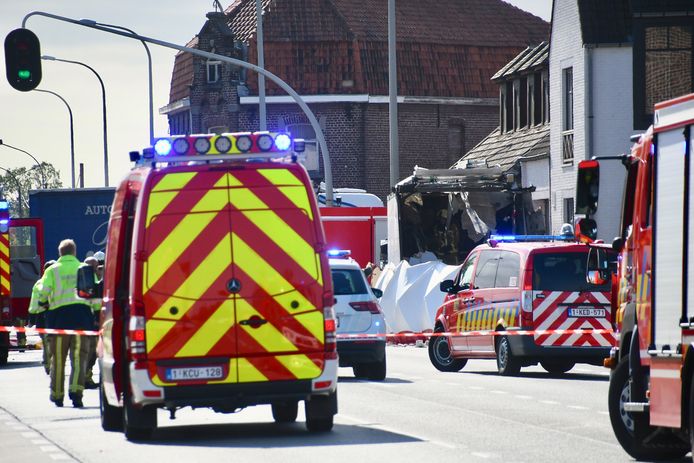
182,75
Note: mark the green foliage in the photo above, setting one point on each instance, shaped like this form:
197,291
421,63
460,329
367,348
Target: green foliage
16,183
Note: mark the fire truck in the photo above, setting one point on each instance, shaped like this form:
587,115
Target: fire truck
651,392
21,260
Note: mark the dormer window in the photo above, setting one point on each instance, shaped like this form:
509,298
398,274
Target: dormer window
213,68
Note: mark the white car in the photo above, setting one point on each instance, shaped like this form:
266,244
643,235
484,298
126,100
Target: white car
361,326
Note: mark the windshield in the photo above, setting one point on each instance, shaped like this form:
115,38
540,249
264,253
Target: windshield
348,281
563,272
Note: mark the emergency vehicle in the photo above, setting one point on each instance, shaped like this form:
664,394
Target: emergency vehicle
217,289
651,388
21,261
512,284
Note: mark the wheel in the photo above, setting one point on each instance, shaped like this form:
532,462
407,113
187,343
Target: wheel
361,370
4,355
557,367
111,417
377,371
285,412
138,423
320,411
440,355
506,362
629,428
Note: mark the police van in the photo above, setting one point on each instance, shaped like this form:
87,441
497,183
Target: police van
217,289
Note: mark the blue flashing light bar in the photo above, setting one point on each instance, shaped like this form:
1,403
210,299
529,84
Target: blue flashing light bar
3,205
339,253
508,238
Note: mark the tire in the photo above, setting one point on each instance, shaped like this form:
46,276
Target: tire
361,370
506,362
111,417
4,355
557,367
631,428
320,411
285,412
440,355
377,371
138,423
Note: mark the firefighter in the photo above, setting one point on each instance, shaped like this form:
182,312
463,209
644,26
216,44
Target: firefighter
66,311
38,312
92,340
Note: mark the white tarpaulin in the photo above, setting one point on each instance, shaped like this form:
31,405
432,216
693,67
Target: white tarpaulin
411,294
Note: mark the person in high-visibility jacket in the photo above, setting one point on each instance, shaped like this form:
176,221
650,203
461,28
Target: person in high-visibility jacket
66,311
95,304
38,311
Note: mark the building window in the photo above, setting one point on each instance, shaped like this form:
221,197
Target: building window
663,66
502,108
523,103
569,210
456,140
516,105
213,68
545,97
508,123
568,116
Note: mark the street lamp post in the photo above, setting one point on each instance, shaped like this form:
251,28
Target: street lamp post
91,22
19,190
43,172
103,106
72,132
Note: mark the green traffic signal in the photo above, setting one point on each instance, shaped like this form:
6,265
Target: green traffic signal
23,59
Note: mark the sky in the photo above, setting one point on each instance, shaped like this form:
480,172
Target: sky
39,122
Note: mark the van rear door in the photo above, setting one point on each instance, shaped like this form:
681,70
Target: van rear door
277,273
564,300
186,253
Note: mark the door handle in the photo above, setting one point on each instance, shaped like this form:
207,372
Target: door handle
254,322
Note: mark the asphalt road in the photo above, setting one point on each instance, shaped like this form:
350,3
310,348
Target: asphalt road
417,414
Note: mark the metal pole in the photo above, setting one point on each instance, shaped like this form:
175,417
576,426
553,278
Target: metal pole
81,175
103,107
43,172
282,84
19,190
262,117
149,69
72,133
393,97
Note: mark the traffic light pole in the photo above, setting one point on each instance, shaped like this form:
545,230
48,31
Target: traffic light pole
282,84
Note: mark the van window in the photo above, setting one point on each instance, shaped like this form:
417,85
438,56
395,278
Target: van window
563,272
348,281
508,271
485,275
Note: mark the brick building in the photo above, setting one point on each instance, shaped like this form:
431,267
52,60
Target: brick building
335,54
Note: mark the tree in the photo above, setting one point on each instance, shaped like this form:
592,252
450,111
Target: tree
16,183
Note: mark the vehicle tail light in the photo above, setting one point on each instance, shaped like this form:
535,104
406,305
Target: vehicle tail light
366,306
328,299
137,341
527,299
5,308
330,335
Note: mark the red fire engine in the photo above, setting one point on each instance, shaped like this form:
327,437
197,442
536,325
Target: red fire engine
651,393
21,259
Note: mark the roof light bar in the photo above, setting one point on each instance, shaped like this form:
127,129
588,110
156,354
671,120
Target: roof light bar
339,253
224,146
507,238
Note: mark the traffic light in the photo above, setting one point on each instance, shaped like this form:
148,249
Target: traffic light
23,59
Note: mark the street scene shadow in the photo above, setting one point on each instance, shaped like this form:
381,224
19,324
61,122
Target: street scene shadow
272,435
16,365
543,375
352,379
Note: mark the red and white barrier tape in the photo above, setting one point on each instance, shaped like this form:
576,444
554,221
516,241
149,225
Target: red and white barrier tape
27,330
475,333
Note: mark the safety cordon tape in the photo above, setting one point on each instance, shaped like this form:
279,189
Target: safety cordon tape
392,336
31,330
387,336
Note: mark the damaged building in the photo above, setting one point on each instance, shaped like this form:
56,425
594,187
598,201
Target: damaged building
500,186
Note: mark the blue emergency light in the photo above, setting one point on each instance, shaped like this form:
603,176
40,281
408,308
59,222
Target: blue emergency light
511,238
339,253
3,205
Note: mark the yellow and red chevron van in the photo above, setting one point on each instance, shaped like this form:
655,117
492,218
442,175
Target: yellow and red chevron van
217,290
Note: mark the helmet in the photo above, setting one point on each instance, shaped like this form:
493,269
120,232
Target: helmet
100,256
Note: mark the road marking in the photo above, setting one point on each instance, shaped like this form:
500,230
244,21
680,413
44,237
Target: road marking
59,456
603,413
578,407
30,434
485,455
498,392
523,397
451,384
49,448
549,402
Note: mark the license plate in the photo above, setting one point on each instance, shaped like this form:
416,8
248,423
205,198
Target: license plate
586,312
194,373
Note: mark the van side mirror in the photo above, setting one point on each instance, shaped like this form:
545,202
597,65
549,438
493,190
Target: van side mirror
598,267
618,244
446,286
595,277
587,187
377,292
87,286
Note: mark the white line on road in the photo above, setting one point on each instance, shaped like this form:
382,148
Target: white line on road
523,397
578,407
40,442
498,392
30,434
603,413
549,402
